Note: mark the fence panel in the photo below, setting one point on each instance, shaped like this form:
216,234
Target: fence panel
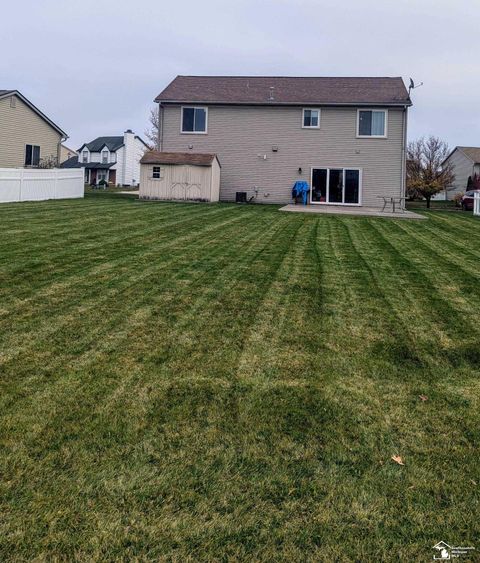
35,184
476,204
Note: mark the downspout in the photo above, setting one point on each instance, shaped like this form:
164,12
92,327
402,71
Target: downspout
403,188
59,149
160,132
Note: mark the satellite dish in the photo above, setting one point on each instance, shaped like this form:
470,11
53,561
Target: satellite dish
413,86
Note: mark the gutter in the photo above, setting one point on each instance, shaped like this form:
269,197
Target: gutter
294,104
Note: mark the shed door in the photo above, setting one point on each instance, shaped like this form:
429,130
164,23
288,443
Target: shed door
189,182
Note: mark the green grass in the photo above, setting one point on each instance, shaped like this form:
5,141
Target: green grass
435,205
195,382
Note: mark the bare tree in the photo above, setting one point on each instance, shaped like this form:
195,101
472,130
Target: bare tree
153,131
427,173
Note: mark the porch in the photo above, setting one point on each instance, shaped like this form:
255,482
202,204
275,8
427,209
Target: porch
95,172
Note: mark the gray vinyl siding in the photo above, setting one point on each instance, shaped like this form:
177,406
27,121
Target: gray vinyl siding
20,126
462,168
242,135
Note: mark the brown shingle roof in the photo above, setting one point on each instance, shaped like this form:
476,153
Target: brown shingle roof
471,152
285,90
195,158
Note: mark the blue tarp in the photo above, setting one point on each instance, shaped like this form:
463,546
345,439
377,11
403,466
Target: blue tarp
301,189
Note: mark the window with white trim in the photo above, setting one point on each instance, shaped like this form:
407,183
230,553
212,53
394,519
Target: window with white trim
104,157
310,118
372,123
85,156
156,172
194,120
32,155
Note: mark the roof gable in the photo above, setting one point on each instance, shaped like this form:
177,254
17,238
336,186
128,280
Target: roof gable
473,153
8,93
278,90
112,143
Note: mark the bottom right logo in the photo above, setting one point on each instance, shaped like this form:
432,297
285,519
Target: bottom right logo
446,552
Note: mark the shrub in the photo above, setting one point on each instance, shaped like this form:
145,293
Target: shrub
457,198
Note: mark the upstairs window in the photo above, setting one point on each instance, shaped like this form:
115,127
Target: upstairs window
194,120
104,157
311,119
32,155
85,156
372,123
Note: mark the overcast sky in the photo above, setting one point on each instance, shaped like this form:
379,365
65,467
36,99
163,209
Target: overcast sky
95,66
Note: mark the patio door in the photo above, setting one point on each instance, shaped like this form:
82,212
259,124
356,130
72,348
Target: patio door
336,186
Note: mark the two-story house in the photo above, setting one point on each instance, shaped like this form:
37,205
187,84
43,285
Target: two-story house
465,162
115,159
27,135
345,136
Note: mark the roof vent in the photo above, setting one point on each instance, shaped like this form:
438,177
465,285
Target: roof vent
272,88
129,131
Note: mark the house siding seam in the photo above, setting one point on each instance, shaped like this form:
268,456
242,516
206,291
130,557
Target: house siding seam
21,126
241,135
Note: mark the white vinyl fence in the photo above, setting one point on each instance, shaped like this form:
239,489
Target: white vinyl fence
36,184
476,204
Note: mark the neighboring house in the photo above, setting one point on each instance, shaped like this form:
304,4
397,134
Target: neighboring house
66,153
113,159
345,136
26,134
465,162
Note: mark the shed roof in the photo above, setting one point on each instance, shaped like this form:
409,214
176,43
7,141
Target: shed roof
194,158
284,90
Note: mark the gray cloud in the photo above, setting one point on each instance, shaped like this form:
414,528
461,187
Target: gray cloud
95,66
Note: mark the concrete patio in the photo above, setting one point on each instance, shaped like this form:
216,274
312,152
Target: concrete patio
358,211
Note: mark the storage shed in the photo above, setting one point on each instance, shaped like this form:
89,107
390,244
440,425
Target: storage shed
179,176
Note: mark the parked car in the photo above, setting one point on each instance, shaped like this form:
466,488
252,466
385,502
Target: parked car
467,200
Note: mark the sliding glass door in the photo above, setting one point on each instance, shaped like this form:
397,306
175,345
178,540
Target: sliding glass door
337,186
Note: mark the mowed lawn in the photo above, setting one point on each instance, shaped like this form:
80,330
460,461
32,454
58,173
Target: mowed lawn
195,382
